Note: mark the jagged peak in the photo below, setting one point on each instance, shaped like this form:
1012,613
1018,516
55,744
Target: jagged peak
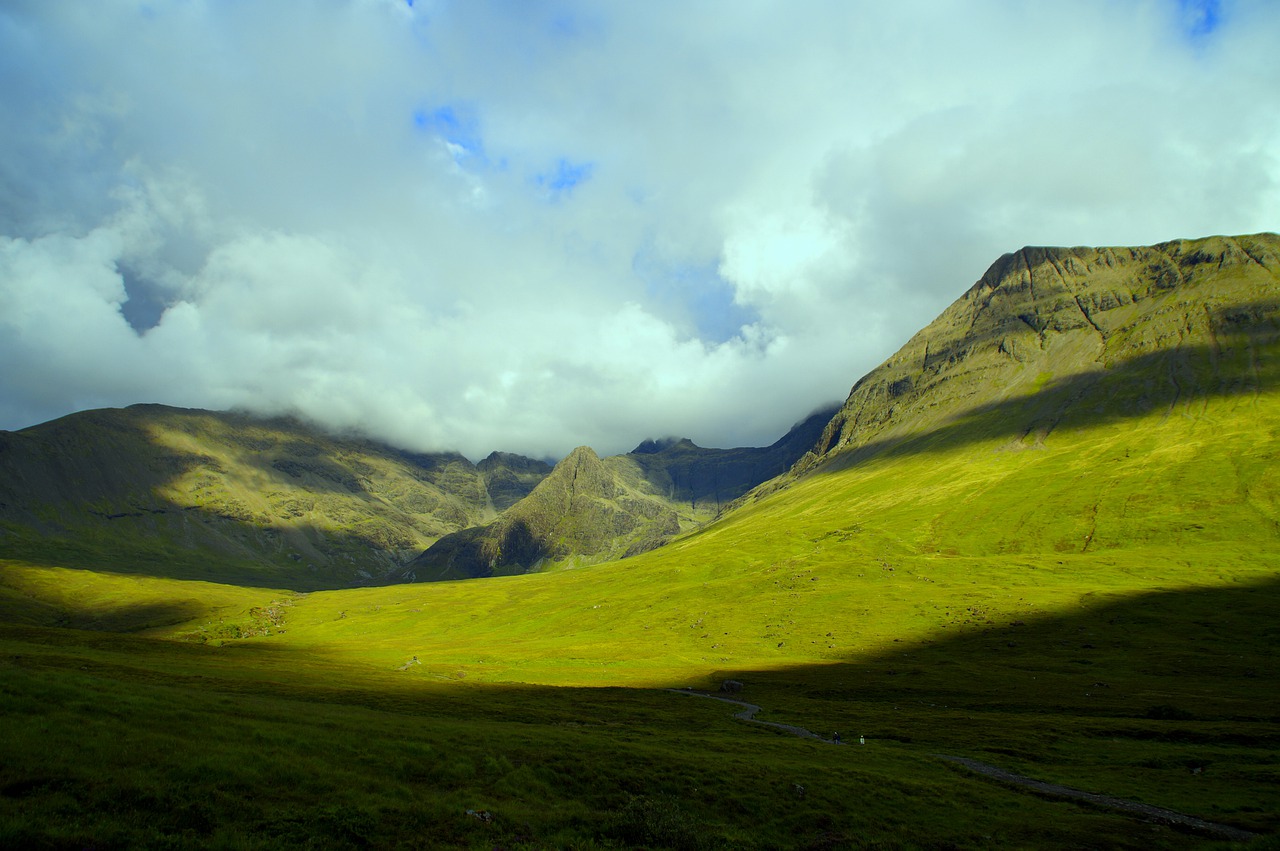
580,457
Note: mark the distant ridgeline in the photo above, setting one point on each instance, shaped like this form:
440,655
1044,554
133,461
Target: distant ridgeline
232,498
591,509
1048,339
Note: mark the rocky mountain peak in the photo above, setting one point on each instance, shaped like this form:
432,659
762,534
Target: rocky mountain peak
1039,316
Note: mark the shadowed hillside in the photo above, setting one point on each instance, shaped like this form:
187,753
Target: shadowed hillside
1043,539
228,497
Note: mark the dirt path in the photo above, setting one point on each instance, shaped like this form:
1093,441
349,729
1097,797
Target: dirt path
1147,811
748,713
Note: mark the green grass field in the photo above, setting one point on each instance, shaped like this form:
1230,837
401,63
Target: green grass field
1077,579
1098,611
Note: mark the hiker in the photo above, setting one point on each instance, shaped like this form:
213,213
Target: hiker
835,737
862,740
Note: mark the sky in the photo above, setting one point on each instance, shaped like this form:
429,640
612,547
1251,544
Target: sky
528,225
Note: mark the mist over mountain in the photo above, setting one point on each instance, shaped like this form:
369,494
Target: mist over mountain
227,496
1047,338
453,226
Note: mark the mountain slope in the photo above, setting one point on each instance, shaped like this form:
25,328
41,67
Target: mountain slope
584,508
590,509
1071,575
206,495
1086,333
1150,480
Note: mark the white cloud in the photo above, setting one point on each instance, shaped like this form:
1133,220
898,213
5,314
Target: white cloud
484,226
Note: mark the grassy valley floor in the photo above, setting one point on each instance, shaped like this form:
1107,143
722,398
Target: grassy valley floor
1095,608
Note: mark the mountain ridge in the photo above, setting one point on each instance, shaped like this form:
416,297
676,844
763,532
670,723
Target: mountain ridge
274,500
1040,316
590,509
271,499
1041,330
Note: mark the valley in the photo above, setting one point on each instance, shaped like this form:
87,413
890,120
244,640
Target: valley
1044,535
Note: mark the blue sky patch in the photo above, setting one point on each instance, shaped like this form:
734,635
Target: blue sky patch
144,304
564,176
456,125
693,296
1200,18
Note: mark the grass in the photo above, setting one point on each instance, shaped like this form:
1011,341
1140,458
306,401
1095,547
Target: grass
1086,596
245,747
1098,612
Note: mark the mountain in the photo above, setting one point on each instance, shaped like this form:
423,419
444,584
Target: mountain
590,509
711,479
586,507
229,497
234,498
509,478
1068,336
1043,536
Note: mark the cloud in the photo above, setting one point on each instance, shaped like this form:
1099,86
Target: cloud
528,226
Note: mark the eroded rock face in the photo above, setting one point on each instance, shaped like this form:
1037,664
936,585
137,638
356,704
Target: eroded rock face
1045,324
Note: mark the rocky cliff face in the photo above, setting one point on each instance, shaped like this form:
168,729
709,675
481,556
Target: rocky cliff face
1044,327
708,480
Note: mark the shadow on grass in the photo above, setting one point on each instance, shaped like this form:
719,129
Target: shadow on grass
1185,677
1203,653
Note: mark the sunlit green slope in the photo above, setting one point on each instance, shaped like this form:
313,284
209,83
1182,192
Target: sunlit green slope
1147,464
1045,534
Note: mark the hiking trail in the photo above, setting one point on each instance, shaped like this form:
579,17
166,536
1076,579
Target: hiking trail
1149,812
